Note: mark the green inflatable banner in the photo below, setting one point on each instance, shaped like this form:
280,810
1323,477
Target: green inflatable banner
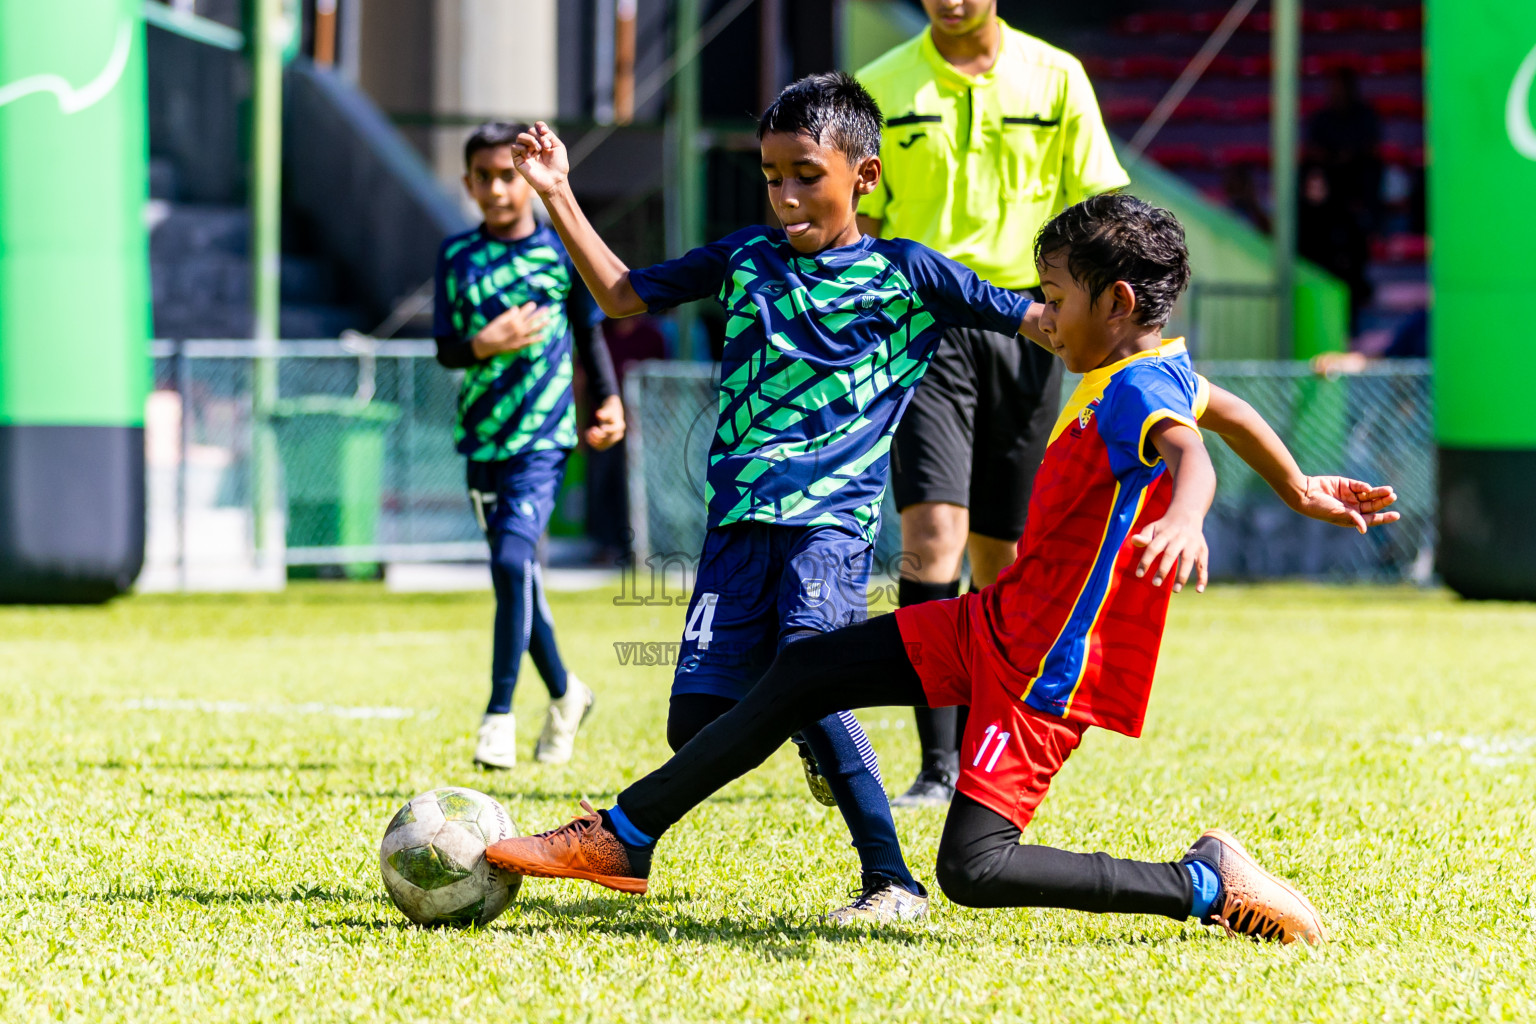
74,298
1482,176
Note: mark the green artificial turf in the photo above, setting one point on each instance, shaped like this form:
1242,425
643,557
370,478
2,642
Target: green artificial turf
194,789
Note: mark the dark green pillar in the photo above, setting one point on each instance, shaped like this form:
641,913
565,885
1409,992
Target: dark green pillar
74,298
1482,173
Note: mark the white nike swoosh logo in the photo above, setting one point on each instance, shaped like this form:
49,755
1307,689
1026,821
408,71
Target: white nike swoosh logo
72,100
1517,109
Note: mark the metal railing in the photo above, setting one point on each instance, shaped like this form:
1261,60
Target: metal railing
362,432
1375,425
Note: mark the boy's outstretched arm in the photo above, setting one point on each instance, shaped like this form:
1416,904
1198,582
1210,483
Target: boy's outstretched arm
1030,326
1333,499
541,159
1178,537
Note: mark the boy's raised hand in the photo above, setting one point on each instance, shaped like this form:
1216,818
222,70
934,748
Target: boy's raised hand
541,159
1353,504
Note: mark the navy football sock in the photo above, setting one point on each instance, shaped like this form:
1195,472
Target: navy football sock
541,640
514,574
848,764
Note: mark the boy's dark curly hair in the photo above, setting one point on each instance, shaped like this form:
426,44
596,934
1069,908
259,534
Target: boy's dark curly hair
1117,237
832,108
490,135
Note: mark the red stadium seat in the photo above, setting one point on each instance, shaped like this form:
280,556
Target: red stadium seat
1243,155
1400,154
1403,248
1201,108
1399,105
1250,108
1127,108
1181,155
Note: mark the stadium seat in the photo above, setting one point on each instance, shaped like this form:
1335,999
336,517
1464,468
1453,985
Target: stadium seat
1181,155
1401,248
1243,154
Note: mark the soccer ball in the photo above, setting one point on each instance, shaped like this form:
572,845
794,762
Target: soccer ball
433,858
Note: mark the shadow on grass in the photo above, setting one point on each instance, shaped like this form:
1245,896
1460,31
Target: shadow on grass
210,898
665,919
668,919
200,766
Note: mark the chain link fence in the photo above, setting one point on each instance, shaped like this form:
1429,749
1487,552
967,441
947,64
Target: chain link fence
1373,425
353,463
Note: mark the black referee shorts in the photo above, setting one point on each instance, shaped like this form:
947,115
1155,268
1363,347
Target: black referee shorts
977,428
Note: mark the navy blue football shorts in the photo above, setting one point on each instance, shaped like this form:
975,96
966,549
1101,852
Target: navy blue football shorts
757,582
517,496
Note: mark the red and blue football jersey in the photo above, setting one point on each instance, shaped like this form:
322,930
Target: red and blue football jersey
1071,629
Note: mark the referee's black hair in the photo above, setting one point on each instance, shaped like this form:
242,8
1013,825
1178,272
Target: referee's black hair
490,135
832,108
1117,237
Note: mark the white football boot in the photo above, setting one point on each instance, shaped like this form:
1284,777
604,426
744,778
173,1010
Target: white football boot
496,746
564,717
881,901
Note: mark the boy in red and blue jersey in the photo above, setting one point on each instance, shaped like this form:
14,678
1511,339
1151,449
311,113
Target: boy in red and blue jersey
1066,638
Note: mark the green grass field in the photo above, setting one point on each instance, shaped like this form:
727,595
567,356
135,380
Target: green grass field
194,790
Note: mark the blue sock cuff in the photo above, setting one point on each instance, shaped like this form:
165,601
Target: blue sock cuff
1207,886
626,830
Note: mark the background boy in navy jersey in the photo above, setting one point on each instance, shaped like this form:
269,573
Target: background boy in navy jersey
827,333
507,309
1066,638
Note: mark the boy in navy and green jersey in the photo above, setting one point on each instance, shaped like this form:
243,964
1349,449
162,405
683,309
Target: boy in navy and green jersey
509,310
828,332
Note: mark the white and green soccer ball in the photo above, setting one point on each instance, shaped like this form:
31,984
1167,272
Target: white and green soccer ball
433,858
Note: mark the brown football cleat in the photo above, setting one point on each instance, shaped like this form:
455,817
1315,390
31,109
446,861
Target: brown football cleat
583,848
1253,902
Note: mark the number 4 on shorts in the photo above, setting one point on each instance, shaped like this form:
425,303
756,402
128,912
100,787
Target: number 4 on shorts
701,620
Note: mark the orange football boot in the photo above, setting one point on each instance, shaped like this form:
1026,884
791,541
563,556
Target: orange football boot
1253,902
583,848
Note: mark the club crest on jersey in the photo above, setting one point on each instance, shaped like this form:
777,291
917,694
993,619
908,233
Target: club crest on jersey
1087,414
816,591
774,288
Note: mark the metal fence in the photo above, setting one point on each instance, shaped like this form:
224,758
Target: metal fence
363,470
359,441
1375,425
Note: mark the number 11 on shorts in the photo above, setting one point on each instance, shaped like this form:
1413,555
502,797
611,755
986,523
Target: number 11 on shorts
701,620
997,751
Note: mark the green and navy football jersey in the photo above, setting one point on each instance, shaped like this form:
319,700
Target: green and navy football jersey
821,355
517,401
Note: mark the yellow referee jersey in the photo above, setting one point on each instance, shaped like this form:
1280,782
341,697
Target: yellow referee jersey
976,164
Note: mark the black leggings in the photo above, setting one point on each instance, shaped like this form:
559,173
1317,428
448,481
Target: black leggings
981,863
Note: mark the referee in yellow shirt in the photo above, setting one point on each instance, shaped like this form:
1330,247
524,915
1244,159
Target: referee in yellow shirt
988,134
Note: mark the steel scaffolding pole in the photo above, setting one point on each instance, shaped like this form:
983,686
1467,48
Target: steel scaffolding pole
685,210
1285,67
270,35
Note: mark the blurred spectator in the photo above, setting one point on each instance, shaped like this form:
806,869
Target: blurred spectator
1410,340
630,341
1243,195
1328,234
1342,141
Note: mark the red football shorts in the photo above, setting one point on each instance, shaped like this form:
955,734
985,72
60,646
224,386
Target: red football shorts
1010,751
